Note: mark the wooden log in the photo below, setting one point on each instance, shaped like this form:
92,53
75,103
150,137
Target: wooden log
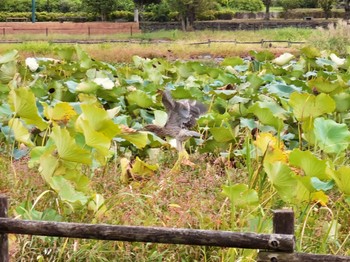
298,257
4,246
149,234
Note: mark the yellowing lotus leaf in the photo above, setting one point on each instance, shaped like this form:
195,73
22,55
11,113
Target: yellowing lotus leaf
23,103
67,148
21,133
61,111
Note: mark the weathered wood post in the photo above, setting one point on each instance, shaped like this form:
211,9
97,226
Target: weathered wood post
283,223
4,246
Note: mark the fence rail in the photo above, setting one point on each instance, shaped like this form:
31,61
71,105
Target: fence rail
276,247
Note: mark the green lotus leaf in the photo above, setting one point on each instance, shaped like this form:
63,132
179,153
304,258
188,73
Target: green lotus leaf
67,148
241,196
320,185
138,139
23,103
342,102
140,98
262,56
341,177
308,105
84,59
48,165
160,117
21,133
310,165
331,136
66,190
266,116
99,120
310,52
87,87
9,56
282,90
322,85
8,72
222,134
232,61
283,179
65,53
95,139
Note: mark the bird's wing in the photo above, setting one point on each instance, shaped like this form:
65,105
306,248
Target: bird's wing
168,101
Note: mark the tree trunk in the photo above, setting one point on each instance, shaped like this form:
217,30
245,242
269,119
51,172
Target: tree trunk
347,9
267,10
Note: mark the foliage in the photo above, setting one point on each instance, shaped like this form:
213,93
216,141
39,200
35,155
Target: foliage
335,37
250,6
44,16
101,7
188,10
289,4
41,6
327,6
279,124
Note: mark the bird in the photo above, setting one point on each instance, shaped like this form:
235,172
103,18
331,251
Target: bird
182,116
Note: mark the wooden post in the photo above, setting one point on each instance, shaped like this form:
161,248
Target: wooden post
47,31
283,223
4,247
3,31
130,30
89,31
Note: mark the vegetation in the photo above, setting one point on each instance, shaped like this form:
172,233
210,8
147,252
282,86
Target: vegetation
276,133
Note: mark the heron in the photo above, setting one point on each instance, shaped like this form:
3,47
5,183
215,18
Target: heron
182,116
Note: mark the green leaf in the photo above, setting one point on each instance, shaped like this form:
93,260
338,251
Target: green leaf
308,105
241,196
23,103
139,139
311,166
8,72
342,101
283,179
322,85
66,190
9,56
320,185
21,133
140,98
141,168
266,116
98,119
222,134
331,136
67,148
341,177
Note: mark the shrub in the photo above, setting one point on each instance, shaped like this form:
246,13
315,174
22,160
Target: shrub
225,14
122,15
247,5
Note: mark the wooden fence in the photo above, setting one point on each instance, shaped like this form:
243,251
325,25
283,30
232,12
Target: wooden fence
275,247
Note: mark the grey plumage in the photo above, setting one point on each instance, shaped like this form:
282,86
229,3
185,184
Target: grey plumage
182,115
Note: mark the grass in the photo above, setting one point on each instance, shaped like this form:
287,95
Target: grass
177,48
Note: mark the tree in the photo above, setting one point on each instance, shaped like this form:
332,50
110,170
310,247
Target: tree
327,6
267,4
347,9
101,7
288,5
139,4
189,9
